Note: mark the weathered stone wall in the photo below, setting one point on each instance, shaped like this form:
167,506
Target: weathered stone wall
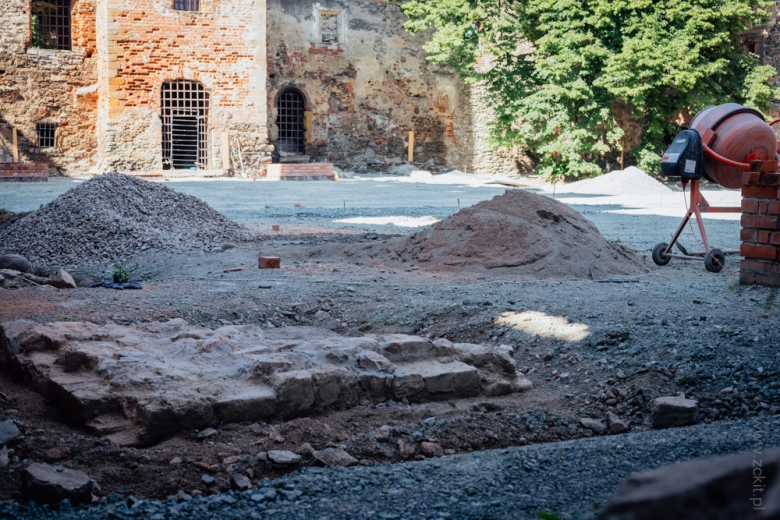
366,91
222,46
56,86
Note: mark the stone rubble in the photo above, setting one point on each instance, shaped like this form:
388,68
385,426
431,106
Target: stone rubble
51,484
114,217
138,384
673,411
8,431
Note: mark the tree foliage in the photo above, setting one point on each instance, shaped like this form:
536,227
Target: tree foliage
555,69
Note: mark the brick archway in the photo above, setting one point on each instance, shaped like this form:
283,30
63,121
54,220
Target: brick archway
290,105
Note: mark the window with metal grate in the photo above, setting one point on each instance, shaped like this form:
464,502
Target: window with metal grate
291,106
50,24
184,113
186,5
47,134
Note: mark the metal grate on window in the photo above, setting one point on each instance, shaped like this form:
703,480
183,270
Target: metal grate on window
329,27
185,106
50,24
47,134
291,107
186,5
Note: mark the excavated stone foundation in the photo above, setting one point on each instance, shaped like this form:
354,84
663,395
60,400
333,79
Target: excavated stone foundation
139,384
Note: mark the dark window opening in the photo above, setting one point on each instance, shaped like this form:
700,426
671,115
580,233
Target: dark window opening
753,42
47,134
50,24
185,106
186,5
291,107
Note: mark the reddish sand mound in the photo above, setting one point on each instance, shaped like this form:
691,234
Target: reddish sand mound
522,233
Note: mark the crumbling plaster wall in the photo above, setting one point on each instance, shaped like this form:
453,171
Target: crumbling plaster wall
368,90
58,86
148,42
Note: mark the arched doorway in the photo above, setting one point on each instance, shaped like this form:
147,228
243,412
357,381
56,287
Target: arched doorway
290,109
184,113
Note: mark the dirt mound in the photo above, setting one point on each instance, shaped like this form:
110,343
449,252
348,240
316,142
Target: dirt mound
113,217
520,233
631,181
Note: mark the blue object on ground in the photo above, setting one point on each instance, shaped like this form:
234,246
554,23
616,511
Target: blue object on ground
118,286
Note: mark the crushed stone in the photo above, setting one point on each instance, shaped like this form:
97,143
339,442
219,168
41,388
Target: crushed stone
631,181
113,217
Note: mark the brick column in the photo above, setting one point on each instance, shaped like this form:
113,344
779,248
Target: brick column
760,234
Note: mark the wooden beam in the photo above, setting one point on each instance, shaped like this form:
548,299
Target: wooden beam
15,146
225,151
411,147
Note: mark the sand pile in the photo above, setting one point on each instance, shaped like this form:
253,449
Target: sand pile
631,181
519,233
113,217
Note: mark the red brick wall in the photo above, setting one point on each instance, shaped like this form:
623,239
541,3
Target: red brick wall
222,46
760,233
300,172
18,172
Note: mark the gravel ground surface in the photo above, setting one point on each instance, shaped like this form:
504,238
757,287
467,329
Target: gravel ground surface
570,479
589,348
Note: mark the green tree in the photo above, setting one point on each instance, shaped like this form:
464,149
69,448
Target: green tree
556,69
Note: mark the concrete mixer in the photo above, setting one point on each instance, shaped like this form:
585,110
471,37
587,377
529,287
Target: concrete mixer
720,144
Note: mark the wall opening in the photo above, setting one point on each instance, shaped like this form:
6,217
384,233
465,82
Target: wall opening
329,27
185,106
47,138
50,24
186,5
290,106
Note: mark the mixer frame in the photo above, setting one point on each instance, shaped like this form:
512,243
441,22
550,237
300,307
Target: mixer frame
698,206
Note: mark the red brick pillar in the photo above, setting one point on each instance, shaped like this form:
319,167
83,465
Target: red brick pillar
760,232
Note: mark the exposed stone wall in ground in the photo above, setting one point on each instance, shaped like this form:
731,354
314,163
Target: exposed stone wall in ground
55,86
222,46
368,89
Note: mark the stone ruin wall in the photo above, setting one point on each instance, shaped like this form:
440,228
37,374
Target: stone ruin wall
368,90
55,86
222,46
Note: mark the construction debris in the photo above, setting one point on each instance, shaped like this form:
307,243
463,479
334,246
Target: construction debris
520,233
113,217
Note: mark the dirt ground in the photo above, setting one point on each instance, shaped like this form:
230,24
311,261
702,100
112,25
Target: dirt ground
590,349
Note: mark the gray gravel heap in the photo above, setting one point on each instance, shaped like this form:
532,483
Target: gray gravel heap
113,217
570,479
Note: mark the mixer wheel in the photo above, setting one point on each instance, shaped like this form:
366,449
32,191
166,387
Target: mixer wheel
658,257
715,261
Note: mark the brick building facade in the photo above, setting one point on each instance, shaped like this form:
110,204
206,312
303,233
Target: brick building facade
149,85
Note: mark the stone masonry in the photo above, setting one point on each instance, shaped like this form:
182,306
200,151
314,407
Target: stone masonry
364,80
760,233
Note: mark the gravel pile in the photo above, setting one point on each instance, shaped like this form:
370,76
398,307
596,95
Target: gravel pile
570,479
113,217
631,181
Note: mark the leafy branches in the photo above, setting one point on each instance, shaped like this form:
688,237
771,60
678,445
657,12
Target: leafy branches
555,70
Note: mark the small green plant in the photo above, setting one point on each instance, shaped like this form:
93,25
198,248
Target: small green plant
548,516
388,322
122,274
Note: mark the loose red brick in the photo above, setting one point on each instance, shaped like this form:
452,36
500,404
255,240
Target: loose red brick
763,236
269,262
747,278
758,251
750,178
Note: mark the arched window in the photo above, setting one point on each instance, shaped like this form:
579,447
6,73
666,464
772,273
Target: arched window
185,107
290,106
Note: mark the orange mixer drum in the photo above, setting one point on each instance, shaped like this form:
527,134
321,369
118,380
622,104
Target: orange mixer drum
742,135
